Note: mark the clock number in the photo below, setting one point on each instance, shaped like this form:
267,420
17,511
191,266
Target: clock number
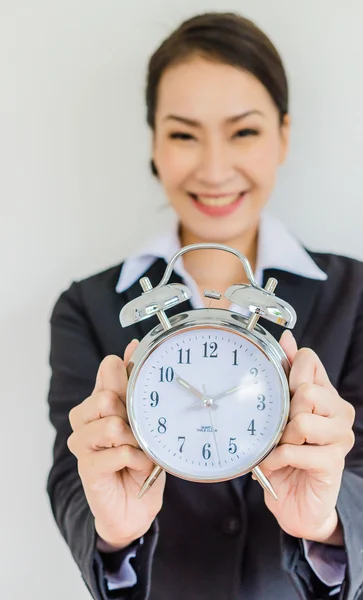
181,355
232,446
183,442
262,399
154,396
162,425
167,374
251,427
235,363
213,347
206,452
254,372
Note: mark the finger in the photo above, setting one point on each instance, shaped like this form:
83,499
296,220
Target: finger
312,398
112,460
112,376
102,433
306,428
129,351
320,460
99,405
308,368
289,345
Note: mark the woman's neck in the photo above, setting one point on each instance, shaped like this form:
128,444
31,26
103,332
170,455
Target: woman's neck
216,269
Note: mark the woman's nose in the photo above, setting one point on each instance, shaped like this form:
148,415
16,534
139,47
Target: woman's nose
215,165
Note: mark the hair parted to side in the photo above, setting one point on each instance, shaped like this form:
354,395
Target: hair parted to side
224,37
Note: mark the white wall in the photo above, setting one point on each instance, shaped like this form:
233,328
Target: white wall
74,180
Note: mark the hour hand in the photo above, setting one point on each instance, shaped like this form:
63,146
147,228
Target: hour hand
236,388
188,386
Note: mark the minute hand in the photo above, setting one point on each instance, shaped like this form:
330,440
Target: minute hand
233,390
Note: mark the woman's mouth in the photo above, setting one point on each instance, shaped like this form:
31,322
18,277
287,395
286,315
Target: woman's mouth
217,205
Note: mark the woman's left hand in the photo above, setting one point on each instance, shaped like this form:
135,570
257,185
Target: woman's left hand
306,468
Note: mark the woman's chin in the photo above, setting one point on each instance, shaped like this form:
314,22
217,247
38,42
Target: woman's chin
213,233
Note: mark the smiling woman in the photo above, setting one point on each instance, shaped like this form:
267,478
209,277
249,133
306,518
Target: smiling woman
219,132
217,105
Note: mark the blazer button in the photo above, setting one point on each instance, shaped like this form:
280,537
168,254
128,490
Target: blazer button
231,525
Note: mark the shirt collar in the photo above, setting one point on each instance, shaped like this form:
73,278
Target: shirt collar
277,248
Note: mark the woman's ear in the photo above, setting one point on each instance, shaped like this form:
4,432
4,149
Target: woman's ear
153,168
152,161
285,137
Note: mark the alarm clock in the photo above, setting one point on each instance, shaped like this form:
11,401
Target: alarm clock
208,395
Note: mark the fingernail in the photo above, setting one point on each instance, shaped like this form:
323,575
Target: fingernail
287,332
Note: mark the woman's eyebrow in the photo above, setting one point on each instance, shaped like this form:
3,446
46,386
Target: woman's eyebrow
194,123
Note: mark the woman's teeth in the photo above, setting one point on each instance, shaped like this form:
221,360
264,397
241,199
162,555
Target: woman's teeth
222,201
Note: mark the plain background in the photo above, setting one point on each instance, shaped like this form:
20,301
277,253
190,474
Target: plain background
76,196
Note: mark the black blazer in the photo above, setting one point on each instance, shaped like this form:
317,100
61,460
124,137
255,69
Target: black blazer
210,541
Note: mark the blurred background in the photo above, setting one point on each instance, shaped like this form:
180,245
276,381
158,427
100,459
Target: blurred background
76,196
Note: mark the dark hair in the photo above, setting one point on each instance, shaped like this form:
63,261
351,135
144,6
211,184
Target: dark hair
225,37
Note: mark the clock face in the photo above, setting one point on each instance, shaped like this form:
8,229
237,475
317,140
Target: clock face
207,404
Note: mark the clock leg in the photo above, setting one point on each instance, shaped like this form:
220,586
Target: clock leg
150,480
264,482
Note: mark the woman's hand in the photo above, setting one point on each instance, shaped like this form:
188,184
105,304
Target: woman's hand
111,464
306,468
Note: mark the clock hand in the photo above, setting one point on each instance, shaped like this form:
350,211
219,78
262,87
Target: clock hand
188,387
212,425
234,389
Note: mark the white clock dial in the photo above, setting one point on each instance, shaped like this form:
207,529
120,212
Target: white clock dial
206,404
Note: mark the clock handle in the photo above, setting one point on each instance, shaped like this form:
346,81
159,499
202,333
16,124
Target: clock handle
208,246
149,481
264,482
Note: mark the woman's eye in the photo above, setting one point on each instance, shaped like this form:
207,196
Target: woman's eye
178,135
246,132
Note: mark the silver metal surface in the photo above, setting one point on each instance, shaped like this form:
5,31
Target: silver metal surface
269,287
150,480
212,294
264,482
263,304
220,319
152,302
146,287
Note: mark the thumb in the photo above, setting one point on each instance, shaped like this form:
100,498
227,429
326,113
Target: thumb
112,376
129,350
289,345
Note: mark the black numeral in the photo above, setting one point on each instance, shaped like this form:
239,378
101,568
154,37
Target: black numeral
162,425
235,363
213,350
154,396
206,452
183,442
262,402
182,358
251,427
254,372
232,446
166,374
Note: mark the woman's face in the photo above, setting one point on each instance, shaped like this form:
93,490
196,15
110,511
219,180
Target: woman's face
217,145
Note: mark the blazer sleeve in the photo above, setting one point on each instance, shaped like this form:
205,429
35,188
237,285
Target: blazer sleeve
75,355
350,499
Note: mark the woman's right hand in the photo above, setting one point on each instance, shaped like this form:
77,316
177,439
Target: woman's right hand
111,464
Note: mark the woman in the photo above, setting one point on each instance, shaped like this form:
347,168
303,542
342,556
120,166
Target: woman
217,102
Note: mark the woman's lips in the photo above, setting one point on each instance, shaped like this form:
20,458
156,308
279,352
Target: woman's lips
218,206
